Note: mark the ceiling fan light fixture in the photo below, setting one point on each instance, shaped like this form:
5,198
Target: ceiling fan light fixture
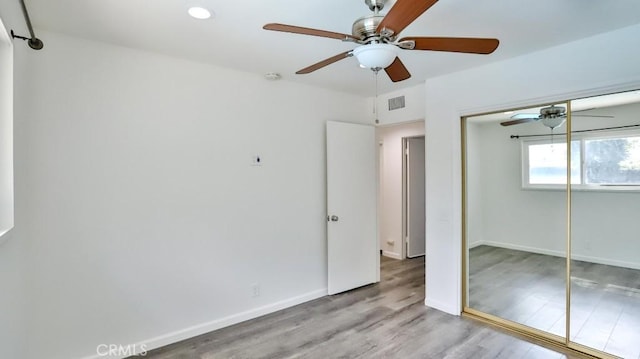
375,56
198,12
553,122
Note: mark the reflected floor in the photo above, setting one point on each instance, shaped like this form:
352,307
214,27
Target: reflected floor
529,288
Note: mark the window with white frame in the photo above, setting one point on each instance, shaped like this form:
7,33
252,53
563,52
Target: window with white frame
598,161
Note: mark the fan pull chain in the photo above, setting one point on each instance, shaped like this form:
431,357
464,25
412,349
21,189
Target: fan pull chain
375,105
553,147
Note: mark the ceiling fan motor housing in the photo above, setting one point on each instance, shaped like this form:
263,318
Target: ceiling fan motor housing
365,27
552,111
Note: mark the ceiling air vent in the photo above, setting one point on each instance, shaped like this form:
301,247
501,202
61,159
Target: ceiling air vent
396,103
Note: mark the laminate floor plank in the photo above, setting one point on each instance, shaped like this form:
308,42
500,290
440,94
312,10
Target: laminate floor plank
384,320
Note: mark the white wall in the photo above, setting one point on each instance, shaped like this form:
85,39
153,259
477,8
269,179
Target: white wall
604,224
413,110
594,65
146,221
13,299
390,204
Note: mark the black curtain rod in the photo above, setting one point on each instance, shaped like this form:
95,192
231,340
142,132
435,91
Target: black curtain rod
33,41
564,134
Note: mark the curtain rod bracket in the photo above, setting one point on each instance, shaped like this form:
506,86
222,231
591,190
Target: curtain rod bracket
33,41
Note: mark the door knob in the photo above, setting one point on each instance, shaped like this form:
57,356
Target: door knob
333,218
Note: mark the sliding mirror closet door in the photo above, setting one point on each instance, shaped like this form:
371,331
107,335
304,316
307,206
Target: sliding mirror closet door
515,221
605,225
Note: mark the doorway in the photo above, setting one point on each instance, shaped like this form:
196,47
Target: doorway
395,197
413,197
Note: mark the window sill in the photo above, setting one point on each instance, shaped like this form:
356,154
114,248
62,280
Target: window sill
583,188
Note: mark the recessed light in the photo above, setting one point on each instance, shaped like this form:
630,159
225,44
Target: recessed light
508,112
199,12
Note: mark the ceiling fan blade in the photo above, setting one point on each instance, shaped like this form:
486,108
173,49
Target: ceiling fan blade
308,31
397,71
325,62
403,13
603,116
518,116
455,44
573,113
517,122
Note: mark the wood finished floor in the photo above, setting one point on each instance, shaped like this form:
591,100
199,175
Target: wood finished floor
529,288
385,320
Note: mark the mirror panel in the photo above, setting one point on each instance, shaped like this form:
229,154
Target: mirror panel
605,221
515,217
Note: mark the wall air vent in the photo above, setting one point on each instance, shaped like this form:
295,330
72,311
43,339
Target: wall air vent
396,103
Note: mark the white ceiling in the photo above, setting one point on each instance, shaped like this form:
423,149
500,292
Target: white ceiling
235,38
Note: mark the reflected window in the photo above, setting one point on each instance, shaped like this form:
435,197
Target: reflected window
612,161
547,163
596,162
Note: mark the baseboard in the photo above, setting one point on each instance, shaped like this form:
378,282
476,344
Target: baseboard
578,257
476,244
518,247
608,262
186,333
393,255
442,306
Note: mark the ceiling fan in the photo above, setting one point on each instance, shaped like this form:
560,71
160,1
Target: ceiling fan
551,116
377,36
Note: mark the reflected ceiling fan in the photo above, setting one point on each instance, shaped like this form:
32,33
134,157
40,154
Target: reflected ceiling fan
377,36
551,116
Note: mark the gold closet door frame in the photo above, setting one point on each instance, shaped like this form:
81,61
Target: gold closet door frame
535,335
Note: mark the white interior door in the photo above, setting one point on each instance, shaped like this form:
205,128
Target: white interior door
353,259
415,197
